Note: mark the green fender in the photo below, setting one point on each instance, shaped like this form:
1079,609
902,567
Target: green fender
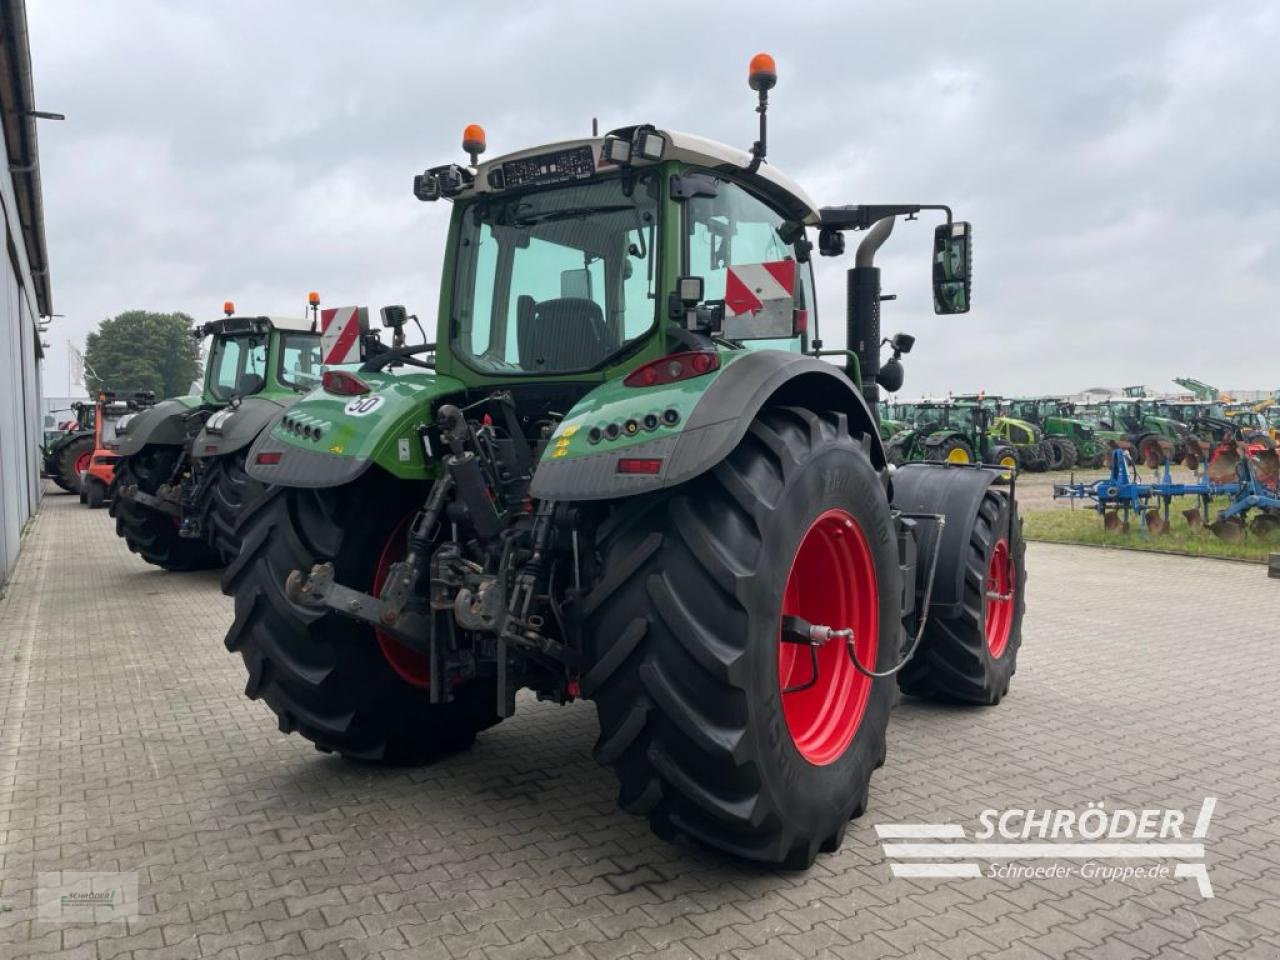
700,421
161,423
325,440
236,426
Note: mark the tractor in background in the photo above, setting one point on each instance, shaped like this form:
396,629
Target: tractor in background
98,476
949,431
1070,441
180,481
622,471
67,453
1026,439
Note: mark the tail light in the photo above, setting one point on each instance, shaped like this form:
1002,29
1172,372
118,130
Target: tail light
343,384
268,458
640,465
673,368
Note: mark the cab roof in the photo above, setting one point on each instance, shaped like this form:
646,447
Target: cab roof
685,147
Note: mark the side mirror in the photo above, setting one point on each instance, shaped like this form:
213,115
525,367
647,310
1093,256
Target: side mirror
952,267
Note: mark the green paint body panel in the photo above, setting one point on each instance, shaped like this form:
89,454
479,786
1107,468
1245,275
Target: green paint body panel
404,401
614,402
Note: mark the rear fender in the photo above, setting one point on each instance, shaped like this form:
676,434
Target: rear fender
326,441
956,492
939,437
712,415
234,428
163,423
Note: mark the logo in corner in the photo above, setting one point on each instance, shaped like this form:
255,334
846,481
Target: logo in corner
1068,843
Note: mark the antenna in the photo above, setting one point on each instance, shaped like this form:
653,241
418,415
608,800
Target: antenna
595,127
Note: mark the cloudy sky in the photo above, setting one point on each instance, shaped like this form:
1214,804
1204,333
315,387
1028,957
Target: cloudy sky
1119,161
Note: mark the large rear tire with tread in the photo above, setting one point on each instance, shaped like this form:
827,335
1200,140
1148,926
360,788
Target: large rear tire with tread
1063,454
685,664
970,657
325,676
71,459
148,533
231,492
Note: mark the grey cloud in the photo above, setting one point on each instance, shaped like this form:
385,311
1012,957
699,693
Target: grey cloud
1117,159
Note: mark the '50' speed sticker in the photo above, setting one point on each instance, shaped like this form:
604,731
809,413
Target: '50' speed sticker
363,406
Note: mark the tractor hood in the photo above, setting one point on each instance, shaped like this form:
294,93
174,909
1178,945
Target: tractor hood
325,440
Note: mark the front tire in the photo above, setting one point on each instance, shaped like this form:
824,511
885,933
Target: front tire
324,676
971,656
683,637
951,450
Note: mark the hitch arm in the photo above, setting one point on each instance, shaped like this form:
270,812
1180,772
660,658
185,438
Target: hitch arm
319,591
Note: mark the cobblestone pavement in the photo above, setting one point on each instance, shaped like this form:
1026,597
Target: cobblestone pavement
126,745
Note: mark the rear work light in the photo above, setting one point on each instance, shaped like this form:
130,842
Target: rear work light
673,368
642,465
343,384
268,459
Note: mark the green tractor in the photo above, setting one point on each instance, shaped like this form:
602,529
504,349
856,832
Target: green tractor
1026,439
180,481
894,417
1152,438
948,431
1069,440
67,452
622,472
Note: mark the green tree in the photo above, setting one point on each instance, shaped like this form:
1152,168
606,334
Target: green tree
141,350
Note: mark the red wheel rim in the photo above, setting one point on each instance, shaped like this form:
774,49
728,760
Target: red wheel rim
410,665
82,462
832,582
1000,587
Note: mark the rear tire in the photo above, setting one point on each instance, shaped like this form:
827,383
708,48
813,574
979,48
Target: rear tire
971,656
1063,454
71,458
231,492
148,533
683,641
324,676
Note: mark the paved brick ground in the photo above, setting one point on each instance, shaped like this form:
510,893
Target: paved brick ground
126,746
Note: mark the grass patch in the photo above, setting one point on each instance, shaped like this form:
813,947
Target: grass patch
1085,526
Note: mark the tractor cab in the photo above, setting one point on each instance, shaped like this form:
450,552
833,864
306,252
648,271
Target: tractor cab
252,355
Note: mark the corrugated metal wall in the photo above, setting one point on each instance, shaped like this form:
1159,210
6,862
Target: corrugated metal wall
20,387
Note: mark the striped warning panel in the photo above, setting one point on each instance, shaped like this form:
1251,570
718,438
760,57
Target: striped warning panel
340,329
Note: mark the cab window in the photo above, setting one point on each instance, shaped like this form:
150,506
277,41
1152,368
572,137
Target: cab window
238,366
299,360
736,228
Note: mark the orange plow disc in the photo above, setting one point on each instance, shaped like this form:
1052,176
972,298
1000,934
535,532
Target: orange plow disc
1266,468
1194,520
1155,523
1225,460
1111,521
1230,530
1266,526
1155,451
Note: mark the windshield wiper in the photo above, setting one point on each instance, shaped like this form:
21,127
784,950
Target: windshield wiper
551,216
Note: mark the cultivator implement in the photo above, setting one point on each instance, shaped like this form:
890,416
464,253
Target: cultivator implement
1249,482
